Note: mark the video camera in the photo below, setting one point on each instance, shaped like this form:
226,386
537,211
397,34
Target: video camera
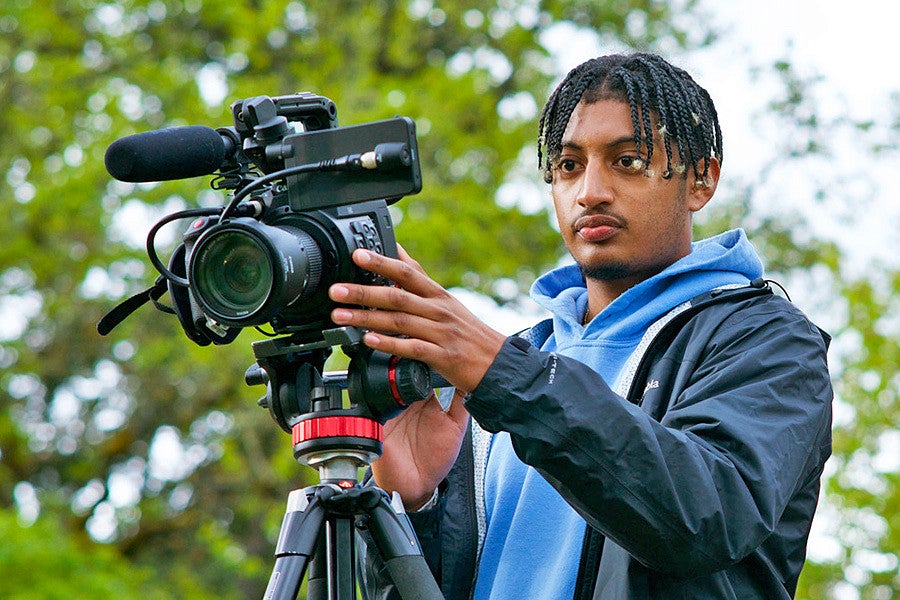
302,202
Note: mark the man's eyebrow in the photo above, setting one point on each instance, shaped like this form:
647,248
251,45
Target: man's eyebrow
571,145
625,139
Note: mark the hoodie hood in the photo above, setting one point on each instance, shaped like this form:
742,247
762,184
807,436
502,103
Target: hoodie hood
724,260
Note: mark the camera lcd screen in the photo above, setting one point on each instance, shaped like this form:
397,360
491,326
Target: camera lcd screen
335,188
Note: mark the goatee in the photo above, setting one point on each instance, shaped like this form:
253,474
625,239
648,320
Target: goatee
607,272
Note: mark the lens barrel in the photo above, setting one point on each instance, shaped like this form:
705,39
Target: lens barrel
243,272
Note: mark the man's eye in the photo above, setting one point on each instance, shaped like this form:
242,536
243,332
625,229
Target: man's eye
567,165
632,163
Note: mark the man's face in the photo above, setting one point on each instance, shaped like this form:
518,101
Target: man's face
617,222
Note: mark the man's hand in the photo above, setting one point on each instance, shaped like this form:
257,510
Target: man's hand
421,444
439,330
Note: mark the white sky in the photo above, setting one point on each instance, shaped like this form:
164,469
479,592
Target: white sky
850,45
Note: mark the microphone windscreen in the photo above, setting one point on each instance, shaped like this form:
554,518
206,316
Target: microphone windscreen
166,154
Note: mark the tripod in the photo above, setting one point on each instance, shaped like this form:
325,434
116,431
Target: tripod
318,533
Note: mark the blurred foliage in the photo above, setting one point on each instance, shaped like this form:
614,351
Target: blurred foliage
143,459
46,560
142,440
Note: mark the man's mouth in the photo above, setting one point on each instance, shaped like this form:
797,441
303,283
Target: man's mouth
597,228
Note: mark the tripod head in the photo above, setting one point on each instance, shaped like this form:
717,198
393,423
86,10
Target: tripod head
327,434
338,438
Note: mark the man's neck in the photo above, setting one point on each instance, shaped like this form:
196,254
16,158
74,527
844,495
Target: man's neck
602,293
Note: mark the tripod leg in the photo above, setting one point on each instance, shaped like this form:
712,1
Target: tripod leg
332,573
398,546
342,542
297,542
317,574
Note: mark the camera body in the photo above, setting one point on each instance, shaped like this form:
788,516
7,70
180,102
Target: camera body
270,257
277,269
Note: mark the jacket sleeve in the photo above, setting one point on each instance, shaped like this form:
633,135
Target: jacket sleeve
745,420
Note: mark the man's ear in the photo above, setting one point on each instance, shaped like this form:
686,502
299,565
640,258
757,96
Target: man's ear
701,190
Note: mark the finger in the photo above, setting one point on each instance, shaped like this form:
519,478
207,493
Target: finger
391,322
408,275
405,257
391,299
437,358
413,348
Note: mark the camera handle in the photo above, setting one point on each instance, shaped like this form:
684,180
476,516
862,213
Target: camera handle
318,533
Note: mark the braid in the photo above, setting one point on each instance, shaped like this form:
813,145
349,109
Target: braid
635,120
661,90
651,86
562,102
692,112
681,126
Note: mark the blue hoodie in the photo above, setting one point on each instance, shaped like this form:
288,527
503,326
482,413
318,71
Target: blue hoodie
533,539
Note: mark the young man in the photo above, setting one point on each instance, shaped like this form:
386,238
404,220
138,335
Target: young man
664,434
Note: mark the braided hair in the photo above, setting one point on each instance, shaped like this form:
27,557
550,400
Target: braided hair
650,85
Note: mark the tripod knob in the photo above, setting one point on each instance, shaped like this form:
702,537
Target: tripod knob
412,381
256,375
386,384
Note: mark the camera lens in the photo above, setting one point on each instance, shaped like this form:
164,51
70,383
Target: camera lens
243,272
234,273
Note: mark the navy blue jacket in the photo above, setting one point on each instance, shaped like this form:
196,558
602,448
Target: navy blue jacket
701,483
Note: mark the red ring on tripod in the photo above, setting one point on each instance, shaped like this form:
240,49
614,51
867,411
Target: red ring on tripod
336,426
392,381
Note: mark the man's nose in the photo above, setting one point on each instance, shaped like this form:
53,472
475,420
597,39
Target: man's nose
596,186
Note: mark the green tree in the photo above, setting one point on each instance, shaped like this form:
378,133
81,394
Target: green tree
861,492
854,553
142,439
44,560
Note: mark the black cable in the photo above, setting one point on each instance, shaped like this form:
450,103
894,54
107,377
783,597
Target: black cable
245,191
151,238
388,155
781,287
